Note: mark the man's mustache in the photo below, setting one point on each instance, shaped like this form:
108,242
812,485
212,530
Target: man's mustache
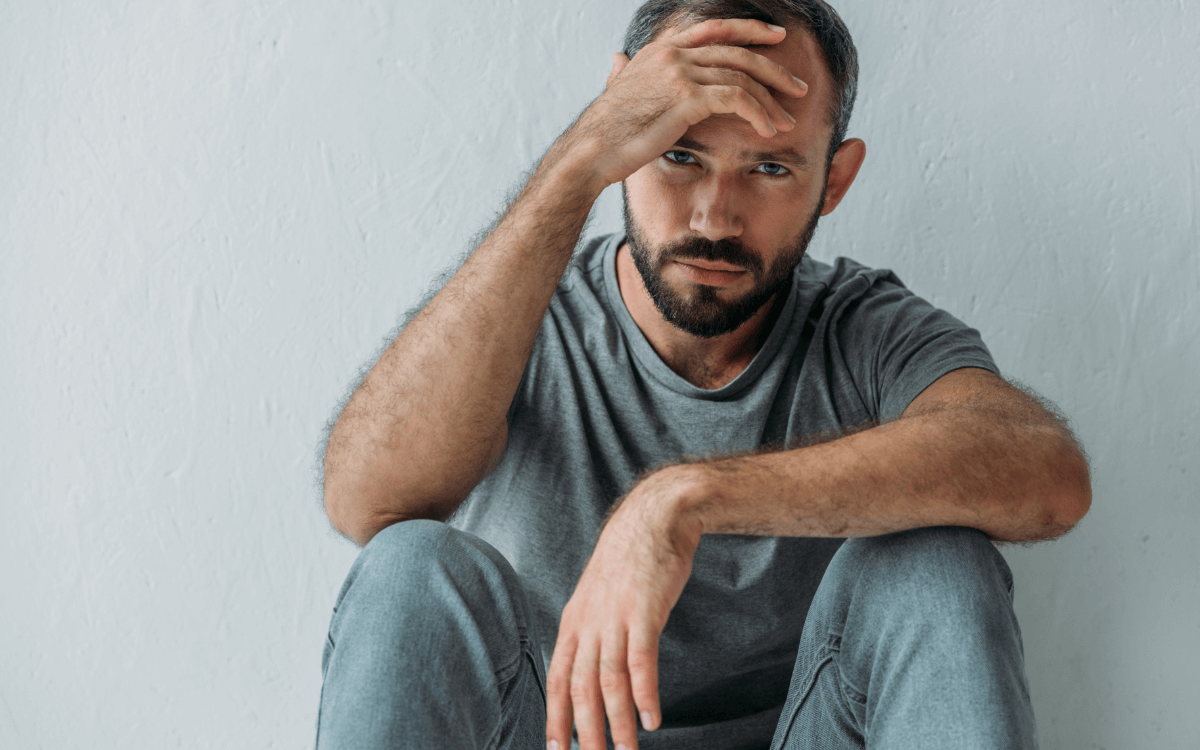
720,251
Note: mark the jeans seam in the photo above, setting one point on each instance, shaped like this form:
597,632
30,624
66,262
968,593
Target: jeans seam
802,695
526,647
514,666
321,700
526,653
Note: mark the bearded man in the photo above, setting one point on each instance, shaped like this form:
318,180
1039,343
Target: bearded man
694,489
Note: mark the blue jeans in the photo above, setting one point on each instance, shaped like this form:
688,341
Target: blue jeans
910,642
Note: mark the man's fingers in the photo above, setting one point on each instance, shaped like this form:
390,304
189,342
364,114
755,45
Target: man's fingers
731,100
735,31
618,698
559,715
775,113
643,676
586,700
766,72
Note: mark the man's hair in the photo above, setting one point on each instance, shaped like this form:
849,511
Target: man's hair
814,16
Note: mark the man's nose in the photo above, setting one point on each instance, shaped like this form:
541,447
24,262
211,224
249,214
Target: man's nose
714,215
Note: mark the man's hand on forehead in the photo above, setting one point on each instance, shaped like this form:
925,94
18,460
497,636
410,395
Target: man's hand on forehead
681,78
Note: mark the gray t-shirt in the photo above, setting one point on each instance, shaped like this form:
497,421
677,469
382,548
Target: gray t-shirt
597,406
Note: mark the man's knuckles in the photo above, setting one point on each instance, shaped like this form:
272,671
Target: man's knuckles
583,693
613,682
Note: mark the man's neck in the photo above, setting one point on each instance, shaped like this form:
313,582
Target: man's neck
704,362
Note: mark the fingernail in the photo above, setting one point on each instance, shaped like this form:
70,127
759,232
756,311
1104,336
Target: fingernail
800,83
622,747
552,745
773,27
645,720
791,119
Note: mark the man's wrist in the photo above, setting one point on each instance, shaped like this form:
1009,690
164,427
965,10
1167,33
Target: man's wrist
675,499
571,166
710,496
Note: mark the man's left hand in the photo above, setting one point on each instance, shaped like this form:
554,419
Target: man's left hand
606,658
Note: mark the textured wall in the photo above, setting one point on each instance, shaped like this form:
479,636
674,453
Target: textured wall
212,210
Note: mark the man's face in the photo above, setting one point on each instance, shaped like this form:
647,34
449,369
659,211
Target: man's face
716,225
698,307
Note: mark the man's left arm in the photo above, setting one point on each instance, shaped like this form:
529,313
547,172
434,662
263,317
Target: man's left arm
970,450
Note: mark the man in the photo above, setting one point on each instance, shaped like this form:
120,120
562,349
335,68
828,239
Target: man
650,461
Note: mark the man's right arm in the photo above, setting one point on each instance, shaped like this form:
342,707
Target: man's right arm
429,421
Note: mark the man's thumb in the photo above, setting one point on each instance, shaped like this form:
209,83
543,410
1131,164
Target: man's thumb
619,63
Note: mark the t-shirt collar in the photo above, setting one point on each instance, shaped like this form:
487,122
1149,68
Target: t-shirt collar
653,364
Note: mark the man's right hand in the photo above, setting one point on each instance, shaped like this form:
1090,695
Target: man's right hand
679,80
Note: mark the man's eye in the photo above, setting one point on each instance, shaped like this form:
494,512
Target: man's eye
772,169
679,157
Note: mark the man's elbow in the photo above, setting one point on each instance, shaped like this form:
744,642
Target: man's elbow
354,520
1070,495
360,510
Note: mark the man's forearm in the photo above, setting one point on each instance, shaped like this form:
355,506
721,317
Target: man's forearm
428,421
1008,472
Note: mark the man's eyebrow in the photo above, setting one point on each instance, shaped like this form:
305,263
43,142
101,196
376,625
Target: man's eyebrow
788,156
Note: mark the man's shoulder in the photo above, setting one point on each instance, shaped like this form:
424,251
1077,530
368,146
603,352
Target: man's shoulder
587,264
842,272
837,285
585,288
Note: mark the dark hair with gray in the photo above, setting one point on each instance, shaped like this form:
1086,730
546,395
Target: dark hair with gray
814,16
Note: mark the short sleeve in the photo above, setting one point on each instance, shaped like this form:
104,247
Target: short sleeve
896,344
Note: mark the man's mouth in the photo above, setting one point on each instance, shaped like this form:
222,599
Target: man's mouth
712,265
709,272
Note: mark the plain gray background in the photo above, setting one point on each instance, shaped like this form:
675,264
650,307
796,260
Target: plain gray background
211,211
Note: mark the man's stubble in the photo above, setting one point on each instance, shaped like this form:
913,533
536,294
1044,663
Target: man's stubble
703,313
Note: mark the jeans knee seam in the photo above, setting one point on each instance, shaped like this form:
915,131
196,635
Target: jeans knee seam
524,649
834,646
809,681
849,688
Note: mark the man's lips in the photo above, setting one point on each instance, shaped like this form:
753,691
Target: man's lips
712,265
709,273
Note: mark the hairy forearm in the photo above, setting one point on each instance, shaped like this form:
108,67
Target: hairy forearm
428,421
1016,479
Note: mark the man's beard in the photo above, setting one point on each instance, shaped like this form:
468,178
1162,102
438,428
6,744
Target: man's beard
702,313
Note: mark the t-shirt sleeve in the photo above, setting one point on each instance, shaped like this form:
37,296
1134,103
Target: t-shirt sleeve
897,344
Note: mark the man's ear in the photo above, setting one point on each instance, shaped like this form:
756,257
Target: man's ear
619,63
846,161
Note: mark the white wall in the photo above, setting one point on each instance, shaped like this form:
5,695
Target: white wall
211,211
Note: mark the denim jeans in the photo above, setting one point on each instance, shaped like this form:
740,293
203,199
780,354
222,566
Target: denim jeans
910,642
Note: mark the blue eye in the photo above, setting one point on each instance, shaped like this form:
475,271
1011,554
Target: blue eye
772,169
679,157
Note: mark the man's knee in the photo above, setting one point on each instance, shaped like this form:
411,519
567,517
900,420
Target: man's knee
423,555
429,573
411,546
924,586
430,616
927,560
916,582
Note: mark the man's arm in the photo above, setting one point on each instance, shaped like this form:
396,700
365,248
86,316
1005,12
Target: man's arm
429,420
971,450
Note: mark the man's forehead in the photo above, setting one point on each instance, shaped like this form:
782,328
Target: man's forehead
799,53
